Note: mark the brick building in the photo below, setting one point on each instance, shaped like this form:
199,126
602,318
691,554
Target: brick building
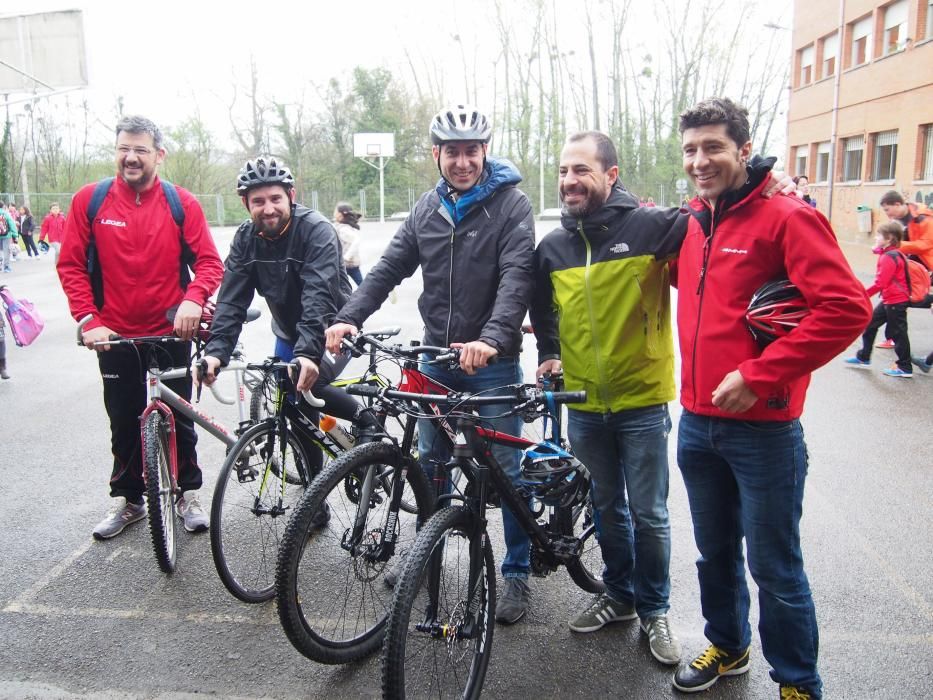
863,69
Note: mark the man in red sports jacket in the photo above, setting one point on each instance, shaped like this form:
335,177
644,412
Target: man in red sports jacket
139,247
740,446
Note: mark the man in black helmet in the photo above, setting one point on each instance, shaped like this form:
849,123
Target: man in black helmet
291,256
473,238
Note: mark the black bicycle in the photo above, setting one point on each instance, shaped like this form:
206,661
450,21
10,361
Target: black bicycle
439,633
266,472
334,583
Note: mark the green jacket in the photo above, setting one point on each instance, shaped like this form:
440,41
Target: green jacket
10,225
602,303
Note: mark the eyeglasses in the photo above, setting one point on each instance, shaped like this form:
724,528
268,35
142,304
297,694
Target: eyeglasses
135,150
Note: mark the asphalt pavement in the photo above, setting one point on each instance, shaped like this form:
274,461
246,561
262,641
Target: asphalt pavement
85,619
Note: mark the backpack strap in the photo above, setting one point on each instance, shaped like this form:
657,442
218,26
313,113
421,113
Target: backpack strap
898,255
178,216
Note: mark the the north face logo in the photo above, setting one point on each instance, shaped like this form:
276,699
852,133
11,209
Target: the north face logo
619,248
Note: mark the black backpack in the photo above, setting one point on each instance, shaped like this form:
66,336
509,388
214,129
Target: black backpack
93,262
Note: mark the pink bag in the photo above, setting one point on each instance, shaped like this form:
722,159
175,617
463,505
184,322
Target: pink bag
25,322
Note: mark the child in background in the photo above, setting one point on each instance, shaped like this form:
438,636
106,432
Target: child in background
346,222
891,281
53,229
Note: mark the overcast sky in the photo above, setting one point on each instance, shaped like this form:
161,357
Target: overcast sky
162,57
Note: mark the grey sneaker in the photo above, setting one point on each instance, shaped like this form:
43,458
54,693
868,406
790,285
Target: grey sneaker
189,508
601,612
665,647
393,572
513,604
120,515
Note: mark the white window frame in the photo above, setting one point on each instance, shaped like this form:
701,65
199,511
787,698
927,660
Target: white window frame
926,154
822,161
807,58
861,29
831,52
852,144
894,35
884,151
801,158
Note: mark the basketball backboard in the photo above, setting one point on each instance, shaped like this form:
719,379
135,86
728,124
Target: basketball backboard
42,52
374,145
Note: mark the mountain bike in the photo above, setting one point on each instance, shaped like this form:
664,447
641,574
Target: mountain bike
157,427
439,633
266,472
331,585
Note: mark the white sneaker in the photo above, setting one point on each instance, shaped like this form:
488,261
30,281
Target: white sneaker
120,515
189,508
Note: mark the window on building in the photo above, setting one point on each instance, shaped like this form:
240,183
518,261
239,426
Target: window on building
861,42
806,66
830,52
926,154
800,160
822,162
852,149
929,32
895,27
884,155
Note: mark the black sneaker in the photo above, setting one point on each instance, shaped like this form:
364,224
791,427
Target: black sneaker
321,517
708,667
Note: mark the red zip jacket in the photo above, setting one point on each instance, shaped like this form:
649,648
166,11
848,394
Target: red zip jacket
140,253
53,227
890,277
755,241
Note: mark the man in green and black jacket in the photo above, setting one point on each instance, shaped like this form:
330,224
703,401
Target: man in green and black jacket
601,310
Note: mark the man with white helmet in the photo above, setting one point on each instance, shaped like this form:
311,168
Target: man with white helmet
473,238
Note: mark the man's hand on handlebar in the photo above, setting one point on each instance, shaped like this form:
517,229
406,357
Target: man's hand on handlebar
308,375
101,334
207,370
187,319
547,367
474,355
336,333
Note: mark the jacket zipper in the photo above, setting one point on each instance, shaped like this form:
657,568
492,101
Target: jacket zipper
707,248
450,288
589,306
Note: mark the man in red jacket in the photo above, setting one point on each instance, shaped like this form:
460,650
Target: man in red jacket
740,444
139,249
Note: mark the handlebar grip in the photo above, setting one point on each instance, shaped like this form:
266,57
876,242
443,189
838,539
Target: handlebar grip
312,399
363,390
569,396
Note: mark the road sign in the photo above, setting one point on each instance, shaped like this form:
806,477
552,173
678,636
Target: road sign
681,186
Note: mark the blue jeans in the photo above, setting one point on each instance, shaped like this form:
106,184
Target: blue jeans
746,480
505,371
626,453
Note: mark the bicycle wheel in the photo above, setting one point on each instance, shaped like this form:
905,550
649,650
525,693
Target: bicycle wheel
160,493
332,599
586,570
264,398
249,509
444,654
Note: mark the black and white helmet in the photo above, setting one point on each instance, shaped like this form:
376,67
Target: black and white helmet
460,123
263,171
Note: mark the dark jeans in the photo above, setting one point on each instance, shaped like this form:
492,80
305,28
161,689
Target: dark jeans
354,274
894,317
626,453
745,481
125,399
30,244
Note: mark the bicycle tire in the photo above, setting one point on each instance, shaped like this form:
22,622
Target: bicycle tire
586,569
321,584
262,398
160,494
410,653
249,509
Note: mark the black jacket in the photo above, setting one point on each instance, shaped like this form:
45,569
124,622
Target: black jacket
476,274
300,275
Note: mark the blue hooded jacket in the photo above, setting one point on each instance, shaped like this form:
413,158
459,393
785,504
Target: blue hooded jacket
497,173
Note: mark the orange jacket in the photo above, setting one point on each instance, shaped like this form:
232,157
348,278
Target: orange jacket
920,235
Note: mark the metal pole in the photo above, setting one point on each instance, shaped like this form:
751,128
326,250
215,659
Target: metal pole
840,47
382,192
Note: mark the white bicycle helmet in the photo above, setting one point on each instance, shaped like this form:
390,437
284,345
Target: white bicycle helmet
460,123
